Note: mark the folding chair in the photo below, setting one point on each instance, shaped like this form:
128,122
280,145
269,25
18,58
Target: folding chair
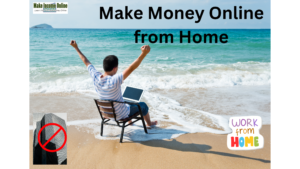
105,106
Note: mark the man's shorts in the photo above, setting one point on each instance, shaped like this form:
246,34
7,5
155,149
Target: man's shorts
134,109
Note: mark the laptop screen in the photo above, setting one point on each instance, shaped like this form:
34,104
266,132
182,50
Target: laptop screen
132,93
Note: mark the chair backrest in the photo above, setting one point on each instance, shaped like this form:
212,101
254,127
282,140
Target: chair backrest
106,109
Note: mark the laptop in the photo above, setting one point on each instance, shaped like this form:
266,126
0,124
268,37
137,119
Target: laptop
132,94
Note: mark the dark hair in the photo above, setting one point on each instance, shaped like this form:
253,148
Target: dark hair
110,62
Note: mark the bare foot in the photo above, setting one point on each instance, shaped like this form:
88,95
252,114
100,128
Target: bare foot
153,123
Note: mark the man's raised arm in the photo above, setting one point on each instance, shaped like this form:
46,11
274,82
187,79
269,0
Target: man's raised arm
82,57
145,50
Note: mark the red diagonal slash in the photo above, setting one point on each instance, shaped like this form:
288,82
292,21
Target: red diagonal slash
60,128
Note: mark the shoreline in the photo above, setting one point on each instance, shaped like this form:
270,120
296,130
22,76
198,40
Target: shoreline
225,101
174,109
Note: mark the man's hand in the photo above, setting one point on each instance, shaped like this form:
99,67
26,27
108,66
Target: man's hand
145,49
74,44
82,57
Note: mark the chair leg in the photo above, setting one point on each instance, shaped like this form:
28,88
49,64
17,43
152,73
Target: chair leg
145,128
123,127
102,124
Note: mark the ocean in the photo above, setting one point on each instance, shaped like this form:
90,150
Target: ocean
211,81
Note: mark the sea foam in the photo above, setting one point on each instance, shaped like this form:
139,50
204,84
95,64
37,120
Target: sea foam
149,76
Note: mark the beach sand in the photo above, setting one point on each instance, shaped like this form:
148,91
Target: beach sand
192,150
195,150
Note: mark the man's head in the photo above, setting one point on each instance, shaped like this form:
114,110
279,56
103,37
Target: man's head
110,64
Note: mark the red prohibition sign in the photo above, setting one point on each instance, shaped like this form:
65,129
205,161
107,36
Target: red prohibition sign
60,128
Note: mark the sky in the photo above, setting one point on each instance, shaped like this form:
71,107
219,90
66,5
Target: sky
86,14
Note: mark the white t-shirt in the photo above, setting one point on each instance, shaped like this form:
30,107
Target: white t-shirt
109,88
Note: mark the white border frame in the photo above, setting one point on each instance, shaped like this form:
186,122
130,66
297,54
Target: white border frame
132,99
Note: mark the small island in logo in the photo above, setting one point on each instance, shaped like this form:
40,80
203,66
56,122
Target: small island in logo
245,133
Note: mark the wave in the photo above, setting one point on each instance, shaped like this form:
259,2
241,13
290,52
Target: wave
155,76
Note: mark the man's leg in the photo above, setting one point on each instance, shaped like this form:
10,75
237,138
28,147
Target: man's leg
144,107
148,120
146,115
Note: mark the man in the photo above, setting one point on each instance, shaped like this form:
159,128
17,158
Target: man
108,85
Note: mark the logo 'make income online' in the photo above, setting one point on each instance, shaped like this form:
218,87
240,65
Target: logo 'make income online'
50,8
